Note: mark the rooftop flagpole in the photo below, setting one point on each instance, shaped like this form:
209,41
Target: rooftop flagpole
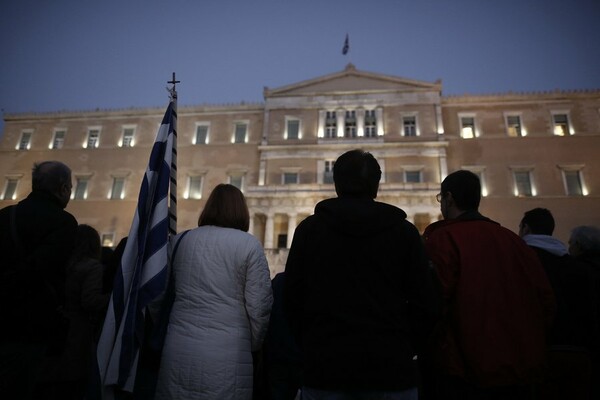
173,180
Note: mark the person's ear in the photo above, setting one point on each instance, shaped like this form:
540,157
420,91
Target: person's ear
449,200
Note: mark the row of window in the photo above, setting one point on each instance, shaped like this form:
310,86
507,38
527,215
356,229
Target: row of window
514,125
524,183
92,140
348,126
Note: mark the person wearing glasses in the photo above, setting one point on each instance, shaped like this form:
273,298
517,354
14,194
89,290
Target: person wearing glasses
497,301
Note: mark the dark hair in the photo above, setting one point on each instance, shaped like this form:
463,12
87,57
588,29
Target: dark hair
226,207
539,220
356,173
49,176
87,244
465,188
588,239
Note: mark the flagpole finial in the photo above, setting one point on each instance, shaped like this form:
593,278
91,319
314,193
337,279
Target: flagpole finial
172,90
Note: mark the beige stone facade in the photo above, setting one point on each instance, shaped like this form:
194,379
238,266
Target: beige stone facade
530,150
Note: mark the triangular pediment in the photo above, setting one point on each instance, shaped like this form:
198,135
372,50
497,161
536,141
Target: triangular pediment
351,80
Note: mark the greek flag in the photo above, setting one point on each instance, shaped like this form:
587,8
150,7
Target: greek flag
346,47
142,275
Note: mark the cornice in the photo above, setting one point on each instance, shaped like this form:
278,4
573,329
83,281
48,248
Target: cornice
548,95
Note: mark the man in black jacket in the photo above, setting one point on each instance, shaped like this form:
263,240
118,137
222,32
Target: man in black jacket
570,339
36,237
359,293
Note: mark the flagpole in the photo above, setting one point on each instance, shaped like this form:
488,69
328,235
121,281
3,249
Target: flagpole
173,179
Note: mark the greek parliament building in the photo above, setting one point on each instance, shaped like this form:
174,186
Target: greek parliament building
529,149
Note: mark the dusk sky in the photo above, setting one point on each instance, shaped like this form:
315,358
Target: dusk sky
108,54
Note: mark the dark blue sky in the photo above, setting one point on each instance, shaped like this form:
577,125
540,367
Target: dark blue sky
88,54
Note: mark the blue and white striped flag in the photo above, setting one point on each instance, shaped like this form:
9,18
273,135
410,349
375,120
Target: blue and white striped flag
142,275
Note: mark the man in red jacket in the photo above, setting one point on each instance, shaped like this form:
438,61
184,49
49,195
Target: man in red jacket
497,301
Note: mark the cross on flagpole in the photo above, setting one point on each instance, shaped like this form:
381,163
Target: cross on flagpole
173,90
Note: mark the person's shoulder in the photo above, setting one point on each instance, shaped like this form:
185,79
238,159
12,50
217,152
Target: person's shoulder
390,210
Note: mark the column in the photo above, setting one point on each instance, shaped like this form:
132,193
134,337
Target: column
341,118
262,172
291,228
379,118
265,132
443,165
251,227
269,228
439,120
321,127
360,122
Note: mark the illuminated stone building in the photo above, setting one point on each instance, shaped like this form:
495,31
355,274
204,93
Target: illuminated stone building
529,149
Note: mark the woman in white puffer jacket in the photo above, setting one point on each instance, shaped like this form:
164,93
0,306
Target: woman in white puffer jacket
221,308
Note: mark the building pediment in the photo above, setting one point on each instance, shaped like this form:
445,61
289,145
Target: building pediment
352,80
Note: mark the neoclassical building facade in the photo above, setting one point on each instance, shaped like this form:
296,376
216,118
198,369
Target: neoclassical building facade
529,149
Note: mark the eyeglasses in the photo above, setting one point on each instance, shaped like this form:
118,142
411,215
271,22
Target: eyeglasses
438,197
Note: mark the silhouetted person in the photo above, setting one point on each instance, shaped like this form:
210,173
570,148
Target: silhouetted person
221,308
36,238
85,305
283,362
569,364
498,303
358,292
584,245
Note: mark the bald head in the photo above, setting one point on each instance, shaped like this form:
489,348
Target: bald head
52,177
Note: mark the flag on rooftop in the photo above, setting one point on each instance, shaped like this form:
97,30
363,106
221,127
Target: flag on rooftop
142,275
346,47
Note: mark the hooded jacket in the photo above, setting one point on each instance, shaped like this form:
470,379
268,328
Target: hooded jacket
358,295
498,303
573,286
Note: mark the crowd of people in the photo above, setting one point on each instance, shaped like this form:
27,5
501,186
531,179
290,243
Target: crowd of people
367,308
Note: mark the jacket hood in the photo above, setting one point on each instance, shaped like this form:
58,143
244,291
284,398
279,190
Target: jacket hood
358,216
545,242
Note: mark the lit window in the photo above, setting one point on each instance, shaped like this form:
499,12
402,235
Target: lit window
409,124
328,171
93,138
330,124
236,180
290,178
561,124
513,126
25,142
523,186
293,129
370,123
240,132
81,187
201,134
194,187
412,176
127,140
58,140
10,189
117,192
573,183
479,171
467,127
350,124
108,239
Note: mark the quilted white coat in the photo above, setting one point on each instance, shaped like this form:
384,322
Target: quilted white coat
221,312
